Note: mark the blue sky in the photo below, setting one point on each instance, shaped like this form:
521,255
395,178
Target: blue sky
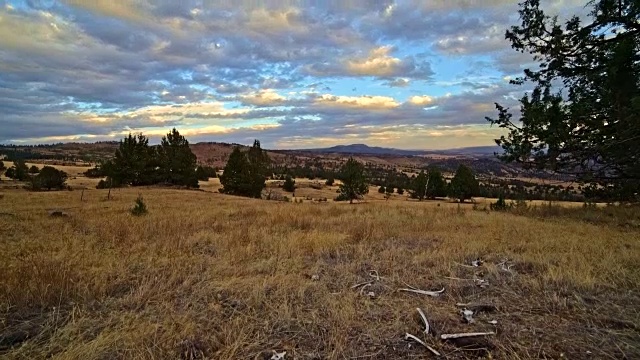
295,74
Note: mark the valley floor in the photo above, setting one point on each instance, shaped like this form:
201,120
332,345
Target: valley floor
204,275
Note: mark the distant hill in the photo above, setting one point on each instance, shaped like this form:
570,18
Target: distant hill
375,150
365,149
473,150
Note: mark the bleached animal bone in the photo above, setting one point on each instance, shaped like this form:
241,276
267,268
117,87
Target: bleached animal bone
278,356
477,262
408,336
424,292
374,274
362,284
364,287
424,319
464,335
468,316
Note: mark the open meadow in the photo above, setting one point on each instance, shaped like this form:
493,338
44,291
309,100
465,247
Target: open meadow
205,275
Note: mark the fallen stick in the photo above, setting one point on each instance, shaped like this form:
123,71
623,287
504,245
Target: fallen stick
464,335
424,319
408,336
424,292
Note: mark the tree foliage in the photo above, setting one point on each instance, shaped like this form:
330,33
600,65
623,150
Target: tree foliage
19,171
245,173
134,163
419,186
464,184
50,178
582,116
177,163
354,183
436,186
289,184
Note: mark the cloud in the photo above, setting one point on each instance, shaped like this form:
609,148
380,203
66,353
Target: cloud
281,71
264,97
357,102
399,82
378,63
423,100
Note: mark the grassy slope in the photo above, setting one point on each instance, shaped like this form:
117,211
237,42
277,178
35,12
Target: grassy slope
229,278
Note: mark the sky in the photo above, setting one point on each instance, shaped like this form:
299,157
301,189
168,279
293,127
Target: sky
412,74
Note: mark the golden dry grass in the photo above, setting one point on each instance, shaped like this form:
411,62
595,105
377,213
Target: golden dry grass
208,275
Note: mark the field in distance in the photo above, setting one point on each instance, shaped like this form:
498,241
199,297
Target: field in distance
205,275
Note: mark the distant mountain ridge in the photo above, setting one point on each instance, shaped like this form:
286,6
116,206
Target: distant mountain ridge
362,149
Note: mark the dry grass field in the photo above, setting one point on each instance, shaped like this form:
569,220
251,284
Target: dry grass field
204,275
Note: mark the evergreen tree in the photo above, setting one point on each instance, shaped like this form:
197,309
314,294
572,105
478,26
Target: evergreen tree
419,186
258,169
203,173
20,170
10,173
289,184
354,183
134,163
464,184
381,190
2,167
245,173
389,189
329,181
33,169
582,116
176,160
436,185
235,177
50,178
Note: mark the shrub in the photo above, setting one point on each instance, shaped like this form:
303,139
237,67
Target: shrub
140,208
381,190
289,184
400,191
499,205
50,178
33,169
329,181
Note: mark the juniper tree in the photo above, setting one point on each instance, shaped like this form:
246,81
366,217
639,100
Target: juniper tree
464,184
582,118
177,163
354,183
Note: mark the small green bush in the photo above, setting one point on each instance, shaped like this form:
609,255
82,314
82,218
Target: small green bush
140,208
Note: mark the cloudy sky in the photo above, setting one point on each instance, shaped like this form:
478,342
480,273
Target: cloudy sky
418,74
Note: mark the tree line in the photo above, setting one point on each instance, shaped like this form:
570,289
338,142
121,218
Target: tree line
136,163
48,177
